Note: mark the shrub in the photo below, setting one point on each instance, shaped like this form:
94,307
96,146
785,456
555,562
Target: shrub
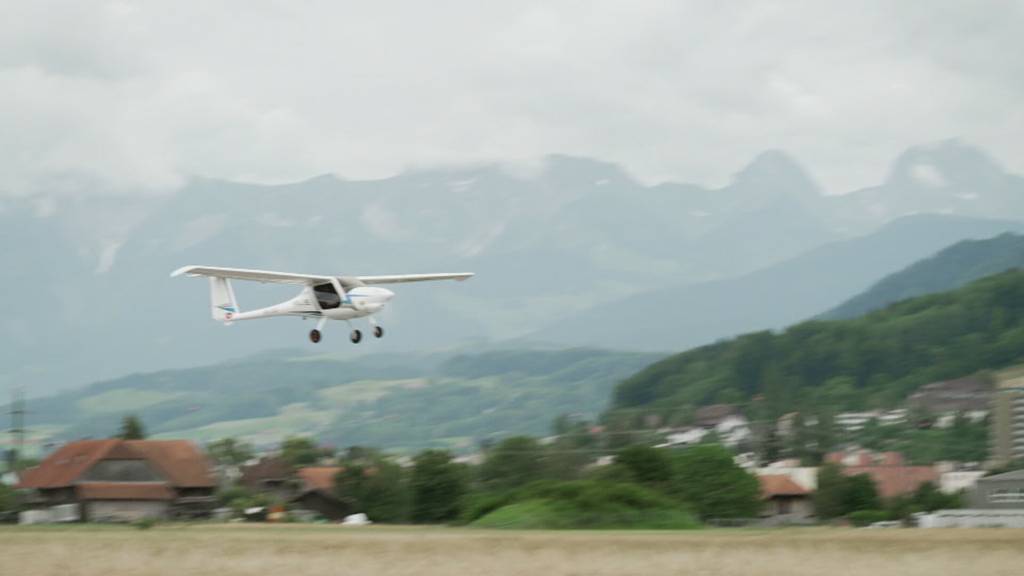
584,504
480,504
867,517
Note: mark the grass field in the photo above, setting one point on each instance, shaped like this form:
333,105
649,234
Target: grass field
296,550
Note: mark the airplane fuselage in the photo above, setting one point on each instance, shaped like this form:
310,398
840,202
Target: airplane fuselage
356,303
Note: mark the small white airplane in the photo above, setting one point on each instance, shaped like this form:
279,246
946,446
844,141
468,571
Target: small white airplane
322,297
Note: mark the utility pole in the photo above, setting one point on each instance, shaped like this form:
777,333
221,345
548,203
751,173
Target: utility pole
17,414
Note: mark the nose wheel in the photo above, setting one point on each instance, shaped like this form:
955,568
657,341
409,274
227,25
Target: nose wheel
355,336
314,336
378,332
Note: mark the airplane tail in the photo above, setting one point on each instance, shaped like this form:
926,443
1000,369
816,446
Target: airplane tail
223,305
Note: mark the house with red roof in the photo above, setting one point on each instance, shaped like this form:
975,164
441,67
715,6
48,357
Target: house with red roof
123,480
316,492
785,501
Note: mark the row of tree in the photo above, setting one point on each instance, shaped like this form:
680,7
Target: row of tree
702,481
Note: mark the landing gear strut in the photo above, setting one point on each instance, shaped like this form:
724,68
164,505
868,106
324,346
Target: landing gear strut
314,334
355,336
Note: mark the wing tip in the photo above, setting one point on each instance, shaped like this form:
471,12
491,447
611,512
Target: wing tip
181,271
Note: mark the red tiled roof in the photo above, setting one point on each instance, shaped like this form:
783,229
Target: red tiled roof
124,491
318,477
180,461
891,481
266,468
65,465
780,485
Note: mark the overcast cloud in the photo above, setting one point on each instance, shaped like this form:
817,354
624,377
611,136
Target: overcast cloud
134,96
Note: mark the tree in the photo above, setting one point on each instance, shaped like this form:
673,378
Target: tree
860,494
229,452
8,499
438,485
514,462
377,488
300,451
707,478
131,428
839,495
646,465
929,498
828,499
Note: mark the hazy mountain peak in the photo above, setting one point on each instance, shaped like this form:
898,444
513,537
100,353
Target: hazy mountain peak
943,164
776,171
581,170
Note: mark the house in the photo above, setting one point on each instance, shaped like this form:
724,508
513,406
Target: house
862,457
711,416
895,480
959,480
785,501
733,429
1002,491
316,492
804,476
270,475
971,394
122,480
855,421
684,437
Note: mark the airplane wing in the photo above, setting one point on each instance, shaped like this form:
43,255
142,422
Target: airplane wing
254,275
290,278
398,278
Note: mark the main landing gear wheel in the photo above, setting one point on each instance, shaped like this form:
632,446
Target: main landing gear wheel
314,336
355,336
378,331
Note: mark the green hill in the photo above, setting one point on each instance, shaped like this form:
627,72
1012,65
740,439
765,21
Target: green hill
874,360
949,269
398,402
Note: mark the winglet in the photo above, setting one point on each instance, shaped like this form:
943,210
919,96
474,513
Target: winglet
182,270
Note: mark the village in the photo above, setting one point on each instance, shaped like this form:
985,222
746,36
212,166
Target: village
129,478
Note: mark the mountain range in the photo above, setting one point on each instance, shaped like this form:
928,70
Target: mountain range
951,268
567,253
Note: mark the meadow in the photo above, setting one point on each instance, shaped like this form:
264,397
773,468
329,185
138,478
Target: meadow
298,550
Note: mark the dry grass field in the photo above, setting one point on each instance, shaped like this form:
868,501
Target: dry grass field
322,550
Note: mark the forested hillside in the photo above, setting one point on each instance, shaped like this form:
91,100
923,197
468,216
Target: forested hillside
395,401
874,360
949,269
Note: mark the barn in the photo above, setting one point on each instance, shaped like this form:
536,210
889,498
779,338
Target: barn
118,480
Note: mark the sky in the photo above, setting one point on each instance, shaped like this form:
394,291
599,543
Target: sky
135,97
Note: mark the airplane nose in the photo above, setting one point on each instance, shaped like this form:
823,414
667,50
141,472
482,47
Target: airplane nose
388,294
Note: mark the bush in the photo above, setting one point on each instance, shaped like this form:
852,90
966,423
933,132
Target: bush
707,479
8,499
583,504
480,504
867,517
